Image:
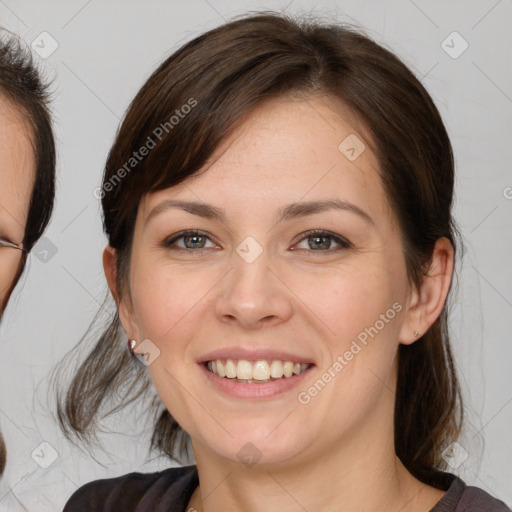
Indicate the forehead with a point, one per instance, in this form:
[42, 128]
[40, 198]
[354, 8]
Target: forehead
[286, 150]
[17, 167]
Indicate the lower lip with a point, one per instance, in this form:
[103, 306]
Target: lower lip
[254, 390]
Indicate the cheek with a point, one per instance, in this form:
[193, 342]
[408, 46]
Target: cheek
[362, 311]
[349, 301]
[166, 299]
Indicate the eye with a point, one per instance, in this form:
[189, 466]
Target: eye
[322, 240]
[194, 240]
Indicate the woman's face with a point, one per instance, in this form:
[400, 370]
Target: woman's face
[255, 286]
[17, 172]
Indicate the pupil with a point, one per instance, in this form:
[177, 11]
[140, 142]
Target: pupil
[317, 238]
[195, 239]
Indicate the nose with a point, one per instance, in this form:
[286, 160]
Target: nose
[252, 295]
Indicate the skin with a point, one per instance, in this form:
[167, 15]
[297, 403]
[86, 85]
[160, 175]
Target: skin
[307, 300]
[17, 175]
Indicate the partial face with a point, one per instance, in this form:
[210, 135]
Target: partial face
[271, 282]
[17, 173]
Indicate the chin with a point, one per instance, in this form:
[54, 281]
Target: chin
[259, 446]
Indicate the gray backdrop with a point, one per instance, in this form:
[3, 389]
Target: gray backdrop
[99, 54]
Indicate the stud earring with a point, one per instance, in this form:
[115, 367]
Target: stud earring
[416, 334]
[131, 346]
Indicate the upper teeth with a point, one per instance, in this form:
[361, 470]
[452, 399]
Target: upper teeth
[260, 370]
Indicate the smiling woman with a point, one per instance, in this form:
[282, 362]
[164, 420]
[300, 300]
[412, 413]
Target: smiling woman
[27, 165]
[290, 236]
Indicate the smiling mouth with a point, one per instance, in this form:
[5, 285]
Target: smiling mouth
[258, 372]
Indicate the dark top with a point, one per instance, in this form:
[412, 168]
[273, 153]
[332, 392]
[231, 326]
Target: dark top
[170, 491]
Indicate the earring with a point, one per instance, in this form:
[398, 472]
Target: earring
[131, 346]
[416, 334]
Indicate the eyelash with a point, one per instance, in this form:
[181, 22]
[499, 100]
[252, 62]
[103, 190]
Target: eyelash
[344, 244]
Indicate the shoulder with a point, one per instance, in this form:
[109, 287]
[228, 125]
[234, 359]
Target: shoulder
[136, 492]
[460, 497]
[474, 499]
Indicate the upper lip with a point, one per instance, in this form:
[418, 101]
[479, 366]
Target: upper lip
[254, 355]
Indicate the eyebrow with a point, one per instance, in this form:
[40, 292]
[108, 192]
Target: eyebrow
[288, 212]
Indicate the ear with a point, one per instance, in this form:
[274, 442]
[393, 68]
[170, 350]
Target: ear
[123, 303]
[426, 304]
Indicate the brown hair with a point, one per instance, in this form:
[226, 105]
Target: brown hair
[22, 84]
[228, 71]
